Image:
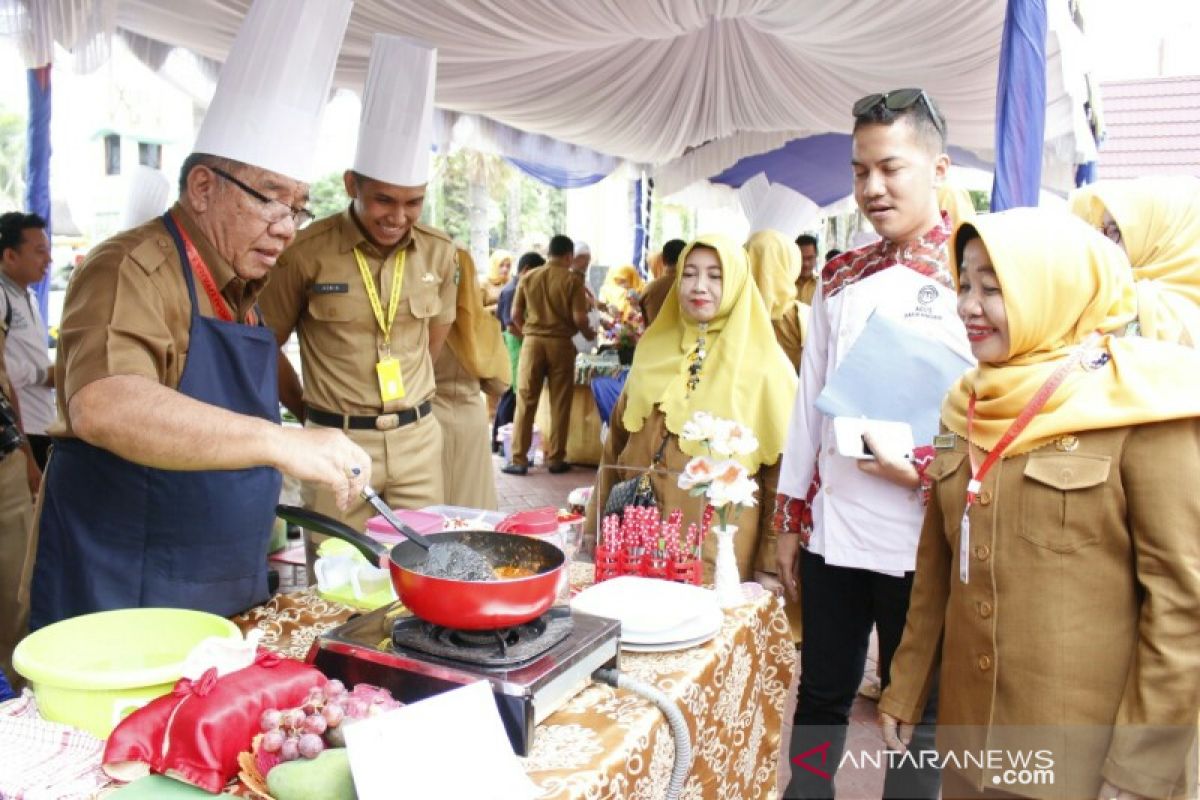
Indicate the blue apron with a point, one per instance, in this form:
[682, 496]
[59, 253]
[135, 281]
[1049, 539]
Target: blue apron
[114, 534]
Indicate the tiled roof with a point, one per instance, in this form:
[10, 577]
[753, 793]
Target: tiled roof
[1152, 126]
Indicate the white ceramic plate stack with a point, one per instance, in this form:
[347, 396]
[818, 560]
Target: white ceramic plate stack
[655, 615]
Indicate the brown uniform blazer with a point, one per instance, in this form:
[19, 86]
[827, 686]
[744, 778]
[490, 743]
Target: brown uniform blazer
[755, 541]
[1081, 613]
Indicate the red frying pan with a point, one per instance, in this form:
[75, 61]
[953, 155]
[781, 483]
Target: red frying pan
[468, 605]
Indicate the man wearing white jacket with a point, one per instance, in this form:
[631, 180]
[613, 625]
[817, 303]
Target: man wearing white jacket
[848, 529]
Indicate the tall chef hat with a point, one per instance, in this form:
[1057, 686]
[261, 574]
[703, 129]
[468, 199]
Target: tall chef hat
[751, 194]
[274, 85]
[395, 133]
[784, 209]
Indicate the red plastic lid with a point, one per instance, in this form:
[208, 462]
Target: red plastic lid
[534, 522]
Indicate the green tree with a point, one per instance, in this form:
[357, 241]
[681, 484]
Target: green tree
[543, 209]
[327, 195]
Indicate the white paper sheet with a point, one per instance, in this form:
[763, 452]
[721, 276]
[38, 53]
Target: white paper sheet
[451, 746]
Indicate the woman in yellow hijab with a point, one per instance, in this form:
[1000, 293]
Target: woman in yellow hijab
[956, 202]
[775, 265]
[1065, 589]
[619, 284]
[474, 360]
[1157, 221]
[710, 349]
[498, 273]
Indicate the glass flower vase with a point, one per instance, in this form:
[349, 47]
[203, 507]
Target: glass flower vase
[727, 582]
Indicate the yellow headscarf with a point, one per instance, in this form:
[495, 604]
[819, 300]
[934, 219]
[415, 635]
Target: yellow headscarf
[775, 265]
[475, 335]
[617, 296]
[499, 257]
[1062, 280]
[1159, 218]
[745, 376]
[956, 202]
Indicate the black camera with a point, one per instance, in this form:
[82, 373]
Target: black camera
[10, 434]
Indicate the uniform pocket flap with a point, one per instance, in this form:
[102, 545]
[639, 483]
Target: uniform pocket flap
[945, 464]
[1067, 472]
[425, 304]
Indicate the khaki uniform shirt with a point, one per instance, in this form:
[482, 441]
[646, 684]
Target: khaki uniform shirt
[1081, 610]
[789, 334]
[654, 295]
[806, 288]
[127, 310]
[548, 297]
[318, 291]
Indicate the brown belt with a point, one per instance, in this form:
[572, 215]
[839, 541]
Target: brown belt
[383, 422]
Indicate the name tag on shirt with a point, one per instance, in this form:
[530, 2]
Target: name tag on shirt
[944, 441]
[330, 288]
[391, 383]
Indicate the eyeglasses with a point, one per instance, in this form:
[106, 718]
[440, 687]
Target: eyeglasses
[273, 211]
[899, 100]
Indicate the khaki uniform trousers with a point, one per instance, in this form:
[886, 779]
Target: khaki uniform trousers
[406, 471]
[16, 556]
[542, 358]
[467, 470]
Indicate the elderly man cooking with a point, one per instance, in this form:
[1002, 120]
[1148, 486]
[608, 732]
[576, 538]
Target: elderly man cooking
[165, 471]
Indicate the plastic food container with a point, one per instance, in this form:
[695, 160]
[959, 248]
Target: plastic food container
[93, 671]
[420, 521]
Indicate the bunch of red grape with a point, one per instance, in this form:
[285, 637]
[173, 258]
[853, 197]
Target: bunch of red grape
[305, 731]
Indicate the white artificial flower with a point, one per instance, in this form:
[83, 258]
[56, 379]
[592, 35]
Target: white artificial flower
[699, 471]
[734, 438]
[699, 428]
[731, 483]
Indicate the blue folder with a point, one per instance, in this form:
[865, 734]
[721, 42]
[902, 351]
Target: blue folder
[894, 373]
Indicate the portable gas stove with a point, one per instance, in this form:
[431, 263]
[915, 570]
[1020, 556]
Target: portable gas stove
[533, 668]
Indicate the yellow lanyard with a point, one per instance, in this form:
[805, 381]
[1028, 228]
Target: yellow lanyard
[385, 325]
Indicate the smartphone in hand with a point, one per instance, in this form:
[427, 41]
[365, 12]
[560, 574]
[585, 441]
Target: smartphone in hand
[894, 437]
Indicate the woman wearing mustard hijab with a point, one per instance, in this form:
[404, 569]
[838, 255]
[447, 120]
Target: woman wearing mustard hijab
[1157, 222]
[474, 360]
[1063, 586]
[620, 289]
[498, 272]
[710, 349]
[775, 265]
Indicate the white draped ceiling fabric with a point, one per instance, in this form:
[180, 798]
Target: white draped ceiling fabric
[682, 87]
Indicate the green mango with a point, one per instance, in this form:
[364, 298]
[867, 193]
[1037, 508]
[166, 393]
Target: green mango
[326, 777]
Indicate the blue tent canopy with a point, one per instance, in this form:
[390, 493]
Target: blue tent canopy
[816, 166]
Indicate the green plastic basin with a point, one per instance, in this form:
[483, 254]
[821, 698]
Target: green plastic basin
[93, 671]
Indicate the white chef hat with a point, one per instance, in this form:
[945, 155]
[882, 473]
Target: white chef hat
[784, 209]
[146, 196]
[395, 132]
[274, 85]
[751, 193]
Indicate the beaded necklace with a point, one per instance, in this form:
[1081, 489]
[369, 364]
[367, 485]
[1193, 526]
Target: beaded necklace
[696, 360]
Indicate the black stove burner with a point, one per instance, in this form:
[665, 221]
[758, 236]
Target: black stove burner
[503, 647]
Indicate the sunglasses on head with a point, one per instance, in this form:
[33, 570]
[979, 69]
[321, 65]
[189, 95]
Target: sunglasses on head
[898, 100]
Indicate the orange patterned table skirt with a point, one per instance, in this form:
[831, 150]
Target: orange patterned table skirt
[610, 743]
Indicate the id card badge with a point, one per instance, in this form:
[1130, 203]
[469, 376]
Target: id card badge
[391, 383]
[964, 547]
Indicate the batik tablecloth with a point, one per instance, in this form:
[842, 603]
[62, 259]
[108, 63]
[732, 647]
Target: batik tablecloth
[610, 743]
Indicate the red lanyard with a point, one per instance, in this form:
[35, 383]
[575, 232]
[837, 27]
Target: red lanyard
[978, 473]
[219, 303]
